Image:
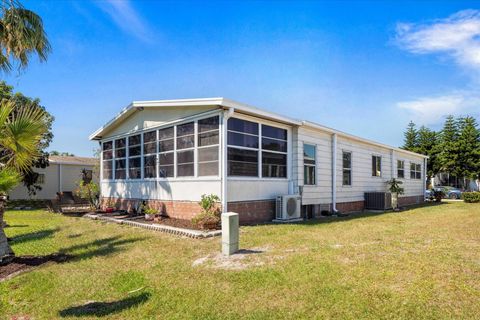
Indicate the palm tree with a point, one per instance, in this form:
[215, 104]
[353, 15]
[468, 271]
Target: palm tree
[21, 129]
[21, 35]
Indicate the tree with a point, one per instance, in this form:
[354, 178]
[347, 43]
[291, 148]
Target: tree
[58, 153]
[468, 148]
[29, 177]
[448, 157]
[410, 141]
[21, 36]
[21, 130]
[428, 145]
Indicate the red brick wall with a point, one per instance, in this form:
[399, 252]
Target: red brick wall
[253, 212]
[350, 206]
[174, 209]
[407, 201]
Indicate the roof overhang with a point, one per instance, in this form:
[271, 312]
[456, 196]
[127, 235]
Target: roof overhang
[220, 102]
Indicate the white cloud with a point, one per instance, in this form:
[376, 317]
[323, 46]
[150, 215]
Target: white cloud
[457, 36]
[126, 18]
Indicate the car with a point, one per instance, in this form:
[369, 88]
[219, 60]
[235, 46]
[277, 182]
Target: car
[428, 195]
[449, 192]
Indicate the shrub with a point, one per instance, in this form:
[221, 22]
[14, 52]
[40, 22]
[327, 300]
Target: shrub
[210, 215]
[91, 192]
[438, 195]
[146, 209]
[471, 197]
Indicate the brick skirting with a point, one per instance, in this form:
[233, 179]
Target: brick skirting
[354, 206]
[175, 209]
[253, 212]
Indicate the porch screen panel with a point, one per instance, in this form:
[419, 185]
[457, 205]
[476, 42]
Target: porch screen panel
[120, 159]
[274, 161]
[243, 148]
[166, 144]
[107, 156]
[134, 157]
[208, 146]
[150, 154]
[185, 150]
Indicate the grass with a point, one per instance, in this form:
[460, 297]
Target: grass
[423, 263]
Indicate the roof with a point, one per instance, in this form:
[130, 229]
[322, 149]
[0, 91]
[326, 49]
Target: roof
[225, 103]
[73, 160]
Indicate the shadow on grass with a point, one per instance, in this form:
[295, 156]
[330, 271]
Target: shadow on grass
[17, 225]
[366, 214]
[33, 236]
[99, 247]
[102, 309]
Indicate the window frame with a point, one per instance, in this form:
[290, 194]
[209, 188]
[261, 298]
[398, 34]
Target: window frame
[417, 170]
[403, 169]
[348, 169]
[174, 124]
[376, 163]
[260, 150]
[314, 165]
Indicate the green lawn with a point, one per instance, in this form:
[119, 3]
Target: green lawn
[420, 263]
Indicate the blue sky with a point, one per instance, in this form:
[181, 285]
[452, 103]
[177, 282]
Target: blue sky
[367, 68]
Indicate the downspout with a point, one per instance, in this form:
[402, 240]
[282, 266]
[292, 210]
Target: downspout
[226, 115]
[334, 173]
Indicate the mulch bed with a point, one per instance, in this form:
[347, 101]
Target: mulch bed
[172, 222]
[25, 263]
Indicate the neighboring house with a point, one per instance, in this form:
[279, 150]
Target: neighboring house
[62, 175]
[445, 179]
[170, 152]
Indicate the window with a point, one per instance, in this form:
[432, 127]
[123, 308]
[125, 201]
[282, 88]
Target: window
[134, 157]
[274, 161]
[309, 157]
[415, 171]
[120, 159]
[243, 147]
[107, 155]
[165, 152]
[347, 168]
[400, 169]
[41, 178]
[376, 166]
[208, 146]
[185, 149]
[150, 154]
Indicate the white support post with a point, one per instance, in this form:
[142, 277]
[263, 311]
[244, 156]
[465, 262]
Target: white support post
[230, 233]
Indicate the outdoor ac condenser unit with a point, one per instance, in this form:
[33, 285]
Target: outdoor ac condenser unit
[288, 207]
[378, 200]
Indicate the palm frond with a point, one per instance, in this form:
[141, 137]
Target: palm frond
[9, 178]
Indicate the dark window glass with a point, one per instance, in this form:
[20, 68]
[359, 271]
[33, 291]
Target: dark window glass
[120, 172]
[166, 158]
[274, 165]
[242, 140]
[134, 151]
[272, 132]
[165, 145]
[347, 177]
[150, 147]
[185, 170]
[166, 168]
[376, 166]
[208, 124]
[242, 126]
[308, 154]
[185, 142]
[149, 136]
[208, 154]
[107, 154]
[208, 138]
[208, 168]
[120, 143]
[347, 168]
[120, 153]
[134, 168]
[107, 145]
[274, 145]
[347, 160]
[309, 175]
[166, 171]
[166, 133]
[242, 162]
[107, 169]
[185, 156]
[185, 129]
[400, 169]
[149, 166]
[133, 140]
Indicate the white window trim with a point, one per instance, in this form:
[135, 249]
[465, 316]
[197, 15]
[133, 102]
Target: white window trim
[310, 165]
[381, 166]
[351, 169]
[402, 160]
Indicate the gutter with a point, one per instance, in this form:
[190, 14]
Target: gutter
[226, 115]
[334, 173]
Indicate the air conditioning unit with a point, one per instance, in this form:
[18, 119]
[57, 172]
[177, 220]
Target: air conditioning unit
[378, 200]
[288, 208]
